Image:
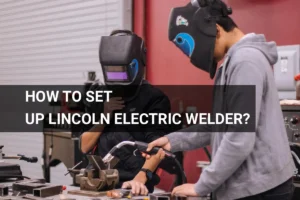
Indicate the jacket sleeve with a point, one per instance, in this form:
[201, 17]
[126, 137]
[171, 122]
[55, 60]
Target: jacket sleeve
[235, 146]
[190, 138]
[187, 139]
[90, 108]
[159, 103]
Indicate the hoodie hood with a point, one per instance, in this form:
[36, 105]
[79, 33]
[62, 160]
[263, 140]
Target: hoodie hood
[252, 40]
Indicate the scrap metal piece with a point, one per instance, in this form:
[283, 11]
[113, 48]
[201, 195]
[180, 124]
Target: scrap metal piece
[3, 190]
[31, 197]
[140, 198]
[26, 187]
[48, 191]
[160, 196]
[87, 193]
[11, 198]
[64, 197]
[165, 196]
[118, 194]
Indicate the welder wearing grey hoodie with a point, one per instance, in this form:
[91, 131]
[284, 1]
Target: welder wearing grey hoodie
[249, 163]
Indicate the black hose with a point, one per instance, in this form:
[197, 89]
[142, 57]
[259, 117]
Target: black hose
[209, 157]
[141, 146]
[182, 173]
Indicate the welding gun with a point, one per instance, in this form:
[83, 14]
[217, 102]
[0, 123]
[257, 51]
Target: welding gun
[142, 147]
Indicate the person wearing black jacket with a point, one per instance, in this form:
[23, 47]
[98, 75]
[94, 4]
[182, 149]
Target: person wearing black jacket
[134, 172]
[105, 137]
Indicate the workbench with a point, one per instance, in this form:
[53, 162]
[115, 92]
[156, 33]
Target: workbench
[66, 196]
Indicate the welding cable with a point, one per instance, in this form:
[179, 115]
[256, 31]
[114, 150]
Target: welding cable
[141, 146]
[182, 173]
[207, 153]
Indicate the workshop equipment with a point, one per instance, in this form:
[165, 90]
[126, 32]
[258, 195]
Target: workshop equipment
[295, 149]
[101, 176]
[291, 115]
[18, 157]
[118, 194]
[98, 176]
[61, 141]
[142, 147]
[11, 198]
[47, 191]
[38, 188]
[7, 170]
[61, 146]
[31, 197]
[26, 187]
[162, 196]
[168, 196]
[87, 193]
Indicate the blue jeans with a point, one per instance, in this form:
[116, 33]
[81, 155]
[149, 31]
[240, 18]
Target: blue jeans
[282, 192]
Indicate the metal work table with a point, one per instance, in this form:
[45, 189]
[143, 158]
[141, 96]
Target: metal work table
[66, 196]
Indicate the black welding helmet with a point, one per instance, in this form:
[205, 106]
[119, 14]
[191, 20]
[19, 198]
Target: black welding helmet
[123, 59]
[193, 30]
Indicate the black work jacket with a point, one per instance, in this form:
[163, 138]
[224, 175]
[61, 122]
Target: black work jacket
[149, 100]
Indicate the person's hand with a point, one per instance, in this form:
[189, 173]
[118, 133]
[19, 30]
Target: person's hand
[114, 103]
[185, 190]
[137, 188]
[160, 142]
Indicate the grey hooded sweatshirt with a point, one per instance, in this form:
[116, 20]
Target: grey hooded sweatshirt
[248, 163]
